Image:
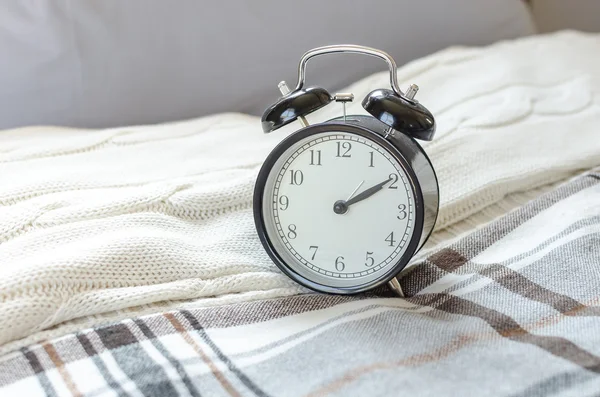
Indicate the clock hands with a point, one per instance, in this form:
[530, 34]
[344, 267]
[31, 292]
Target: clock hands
[355, 190]
[341, 206]
[367, 193]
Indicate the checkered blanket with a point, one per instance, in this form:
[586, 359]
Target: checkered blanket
[511, 310]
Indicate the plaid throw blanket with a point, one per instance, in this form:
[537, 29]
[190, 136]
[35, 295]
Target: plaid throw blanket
[511, 310]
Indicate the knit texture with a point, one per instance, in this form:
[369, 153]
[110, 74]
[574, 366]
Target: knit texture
[97, 225]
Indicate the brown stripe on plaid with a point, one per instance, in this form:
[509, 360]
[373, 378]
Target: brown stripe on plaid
[511, 317]
[519, 284]
[198, 349]
[111, 336]
[516, 282]
[252, 312]
[60, 366]
[503, 325]
[448, 259]
[509, 328]
[438, 264]
[148, 333]
[413, 361]
[245, 380]
[42, 377]
[453, 262]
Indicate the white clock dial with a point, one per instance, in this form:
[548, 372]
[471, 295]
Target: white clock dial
[339, 209]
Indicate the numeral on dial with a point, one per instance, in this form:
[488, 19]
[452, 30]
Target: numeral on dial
[296, 177]
[339, 264]
[394, 178]
[316, 248]
[345, 147]
[315, 160]
[402, 215]
[284, 203]
[292, 232]
[390, 239]
[370, 261]
[371, 160]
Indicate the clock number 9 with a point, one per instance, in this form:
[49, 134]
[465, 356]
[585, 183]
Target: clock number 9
[403, 214]
[339, 264]
[284, 203]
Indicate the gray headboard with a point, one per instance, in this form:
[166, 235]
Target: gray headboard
[113, 62]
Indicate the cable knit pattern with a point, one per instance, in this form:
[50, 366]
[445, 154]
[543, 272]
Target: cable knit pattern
[97, 225]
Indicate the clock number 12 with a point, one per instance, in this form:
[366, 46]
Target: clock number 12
[346, 146]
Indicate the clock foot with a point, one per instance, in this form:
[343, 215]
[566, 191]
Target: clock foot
[394, 284]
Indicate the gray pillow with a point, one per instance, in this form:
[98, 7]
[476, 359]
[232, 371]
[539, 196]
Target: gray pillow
[113, 62]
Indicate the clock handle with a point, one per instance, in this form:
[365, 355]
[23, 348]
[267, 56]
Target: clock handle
[353, 49]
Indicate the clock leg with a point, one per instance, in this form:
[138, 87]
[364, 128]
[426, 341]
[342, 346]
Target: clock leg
[394, 284]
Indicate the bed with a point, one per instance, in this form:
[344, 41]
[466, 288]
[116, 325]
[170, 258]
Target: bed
[130, 265]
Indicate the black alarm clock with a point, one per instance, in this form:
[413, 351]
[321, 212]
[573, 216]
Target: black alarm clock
[342, 206]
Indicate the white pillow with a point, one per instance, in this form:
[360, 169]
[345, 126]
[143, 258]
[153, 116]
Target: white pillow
[113, 62]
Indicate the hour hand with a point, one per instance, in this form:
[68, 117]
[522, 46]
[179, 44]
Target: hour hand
[341, 206]
[367, 193]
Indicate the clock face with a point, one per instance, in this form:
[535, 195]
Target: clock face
[338, 209]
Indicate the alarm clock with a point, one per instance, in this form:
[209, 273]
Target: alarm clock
[342, 206]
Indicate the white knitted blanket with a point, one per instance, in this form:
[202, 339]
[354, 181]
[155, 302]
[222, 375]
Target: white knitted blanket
[97, 225]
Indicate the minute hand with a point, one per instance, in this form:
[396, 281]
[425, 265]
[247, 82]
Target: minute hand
[367, 193]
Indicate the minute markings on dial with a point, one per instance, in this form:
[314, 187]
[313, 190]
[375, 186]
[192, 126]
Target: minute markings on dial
[325, 258]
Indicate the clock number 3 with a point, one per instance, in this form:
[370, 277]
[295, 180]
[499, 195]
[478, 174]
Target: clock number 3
[402, 215]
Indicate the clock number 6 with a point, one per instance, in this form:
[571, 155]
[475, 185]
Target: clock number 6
[339, 265]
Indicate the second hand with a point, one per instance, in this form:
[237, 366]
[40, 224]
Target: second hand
[355, 190]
